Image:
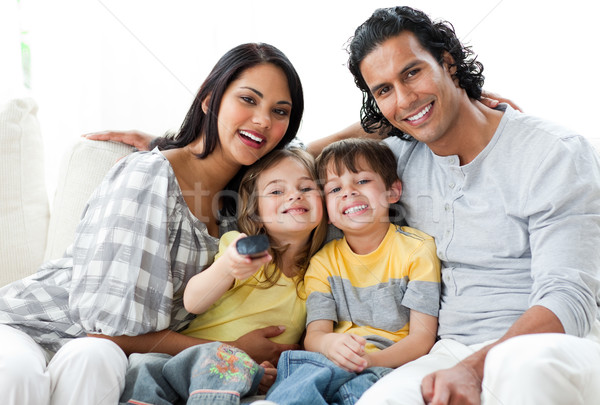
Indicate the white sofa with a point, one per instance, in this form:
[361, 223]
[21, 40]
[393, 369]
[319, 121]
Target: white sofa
[31, 233]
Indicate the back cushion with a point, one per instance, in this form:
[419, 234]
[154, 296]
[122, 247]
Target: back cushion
[83, 167]
[23, 197]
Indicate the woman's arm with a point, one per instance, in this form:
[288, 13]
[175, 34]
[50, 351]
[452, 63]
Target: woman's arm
[257, 344]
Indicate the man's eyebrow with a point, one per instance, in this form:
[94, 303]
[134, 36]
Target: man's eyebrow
[406, 68]
[259, 94]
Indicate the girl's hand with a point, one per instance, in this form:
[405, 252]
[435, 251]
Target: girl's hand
[268, 378]
[240, 266]
[346, 350]
[137, 139]
[492, 100]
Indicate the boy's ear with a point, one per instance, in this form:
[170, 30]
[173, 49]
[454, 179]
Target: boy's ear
[395, 192]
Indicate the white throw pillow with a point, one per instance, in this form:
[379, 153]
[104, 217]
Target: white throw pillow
[83, 167]
[23, 197]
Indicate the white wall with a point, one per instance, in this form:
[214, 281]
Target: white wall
[136, 64]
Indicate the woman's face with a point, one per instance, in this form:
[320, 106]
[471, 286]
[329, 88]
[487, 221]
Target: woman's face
[254, 114]
[289, 200]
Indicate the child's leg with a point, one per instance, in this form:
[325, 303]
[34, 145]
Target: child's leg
[23, 376]
[306, 378]
[144, 381]
[213, 373]
[350, 392]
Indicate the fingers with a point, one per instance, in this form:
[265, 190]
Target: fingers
[268, 378]
[427, 388]
[272, 331]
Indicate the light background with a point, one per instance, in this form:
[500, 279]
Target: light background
[136, 64]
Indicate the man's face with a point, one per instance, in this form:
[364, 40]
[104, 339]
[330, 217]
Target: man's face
[412, 90]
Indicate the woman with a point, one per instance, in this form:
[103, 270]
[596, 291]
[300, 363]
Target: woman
[150, 226]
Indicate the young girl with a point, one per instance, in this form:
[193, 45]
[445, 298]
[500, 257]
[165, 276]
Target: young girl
[151, 225]
[279, 198]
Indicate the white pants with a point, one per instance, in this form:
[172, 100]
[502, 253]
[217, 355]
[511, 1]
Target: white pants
[84, 371]
[549, 369]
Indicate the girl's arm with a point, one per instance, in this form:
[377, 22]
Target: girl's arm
[206, 287]
[420, 339]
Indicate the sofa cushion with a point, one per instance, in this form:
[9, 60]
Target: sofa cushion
[83, 167]
[23, 197]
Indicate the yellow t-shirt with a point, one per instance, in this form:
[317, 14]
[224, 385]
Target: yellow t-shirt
[371, 295]
[244, 308]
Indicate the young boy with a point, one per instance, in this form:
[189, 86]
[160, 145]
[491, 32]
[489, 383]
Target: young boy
[362, 289]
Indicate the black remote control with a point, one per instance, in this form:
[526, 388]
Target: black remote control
[254, 246]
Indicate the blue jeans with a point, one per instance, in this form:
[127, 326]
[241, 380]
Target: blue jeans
[311, 378]
[211, 373]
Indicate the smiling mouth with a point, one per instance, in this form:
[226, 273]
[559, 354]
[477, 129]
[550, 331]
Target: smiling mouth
[252, 137]
[295, 211]
[355, 209]
[420, 114]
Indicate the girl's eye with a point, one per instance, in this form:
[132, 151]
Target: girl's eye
[281, 112]
[334, 190]
[276, 192]
[306, 189]
[248, 100]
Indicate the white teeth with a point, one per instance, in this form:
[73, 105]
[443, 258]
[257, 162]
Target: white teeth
[355, 209]
[253, 137]
[419, 115]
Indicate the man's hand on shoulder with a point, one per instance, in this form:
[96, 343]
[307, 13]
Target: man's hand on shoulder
[137, 139]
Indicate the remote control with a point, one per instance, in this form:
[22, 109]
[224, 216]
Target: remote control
[254, 246]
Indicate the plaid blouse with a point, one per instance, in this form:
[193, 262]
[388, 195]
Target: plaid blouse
[136, 247]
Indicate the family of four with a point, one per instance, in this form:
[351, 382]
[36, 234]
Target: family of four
[466, 270]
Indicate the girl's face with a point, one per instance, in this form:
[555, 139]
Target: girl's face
[254, 113]
[289, 201]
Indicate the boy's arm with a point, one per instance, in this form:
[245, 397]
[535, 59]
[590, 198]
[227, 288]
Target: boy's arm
[420, 339]
[343, 349]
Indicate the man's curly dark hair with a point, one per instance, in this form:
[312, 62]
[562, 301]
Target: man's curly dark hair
[436, 38]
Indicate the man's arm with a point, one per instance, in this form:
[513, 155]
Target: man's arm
[353, 131]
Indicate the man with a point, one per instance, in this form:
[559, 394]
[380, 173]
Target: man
[513, 203]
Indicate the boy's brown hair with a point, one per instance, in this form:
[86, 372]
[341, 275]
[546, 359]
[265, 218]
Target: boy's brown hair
[346, 154]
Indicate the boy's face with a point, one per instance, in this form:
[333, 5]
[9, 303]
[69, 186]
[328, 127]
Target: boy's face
[358, 203]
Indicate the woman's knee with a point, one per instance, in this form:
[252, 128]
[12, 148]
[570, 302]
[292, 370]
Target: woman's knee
[94, 355]
[23, 376]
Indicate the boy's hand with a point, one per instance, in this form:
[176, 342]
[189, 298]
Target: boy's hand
[268, 378]
[242, 266]
[346, 350]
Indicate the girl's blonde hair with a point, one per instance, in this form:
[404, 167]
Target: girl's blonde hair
[249, 221]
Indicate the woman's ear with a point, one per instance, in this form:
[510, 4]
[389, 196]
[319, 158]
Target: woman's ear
[205, 104]
[395, 192]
